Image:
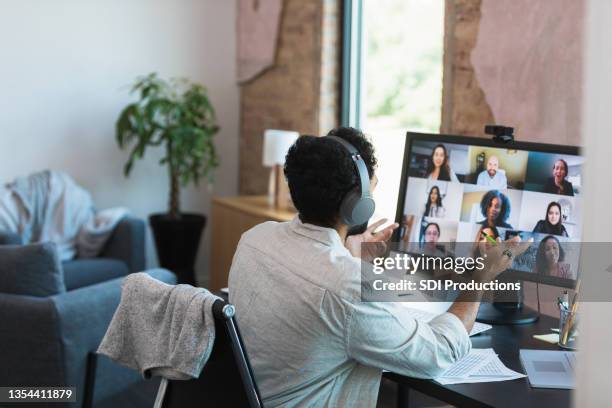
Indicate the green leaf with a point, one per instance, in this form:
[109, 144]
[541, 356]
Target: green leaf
[176, 114]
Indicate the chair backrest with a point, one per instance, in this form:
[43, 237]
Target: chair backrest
[227, 379]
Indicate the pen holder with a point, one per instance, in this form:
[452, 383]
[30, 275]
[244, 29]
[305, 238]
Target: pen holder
[568, 323]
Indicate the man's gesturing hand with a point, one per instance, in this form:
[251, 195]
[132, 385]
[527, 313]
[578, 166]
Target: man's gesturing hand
[499, 257]
[377, 240]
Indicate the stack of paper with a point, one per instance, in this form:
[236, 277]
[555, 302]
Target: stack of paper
[480, 365]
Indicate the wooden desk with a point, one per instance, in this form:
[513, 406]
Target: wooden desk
[231, 217]
[506, 341]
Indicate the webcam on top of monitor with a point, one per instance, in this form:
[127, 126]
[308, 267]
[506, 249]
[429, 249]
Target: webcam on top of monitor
[502, 134]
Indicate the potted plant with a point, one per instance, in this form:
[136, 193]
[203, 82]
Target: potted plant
[177, 116]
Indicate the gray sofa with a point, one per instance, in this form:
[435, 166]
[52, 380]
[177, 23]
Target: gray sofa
[53, 315]
[123, 253]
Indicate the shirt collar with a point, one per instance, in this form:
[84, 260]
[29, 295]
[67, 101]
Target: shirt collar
[324, 235]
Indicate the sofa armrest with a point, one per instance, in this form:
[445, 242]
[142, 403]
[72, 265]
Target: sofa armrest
[30, 351]
[10, 238]
[84, 315]
[45, 341]
[127, 243]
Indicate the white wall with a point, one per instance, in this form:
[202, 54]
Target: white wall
[595, 358]
[65, 71]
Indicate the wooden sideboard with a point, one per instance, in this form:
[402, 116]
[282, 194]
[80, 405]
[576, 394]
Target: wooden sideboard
[231, 217]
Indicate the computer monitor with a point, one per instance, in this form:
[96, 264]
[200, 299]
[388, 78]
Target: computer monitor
[465, 185]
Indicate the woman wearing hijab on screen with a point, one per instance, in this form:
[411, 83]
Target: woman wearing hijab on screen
[438, 167]
[552, 224]
[550, 259]
[495, 207]
[557, 184]
[434, 207]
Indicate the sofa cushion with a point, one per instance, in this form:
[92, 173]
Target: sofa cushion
[33, 270]
[84, 272]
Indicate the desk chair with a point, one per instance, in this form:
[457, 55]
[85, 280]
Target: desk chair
[227, 379]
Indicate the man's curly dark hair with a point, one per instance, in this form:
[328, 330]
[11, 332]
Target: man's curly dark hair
[320, 172]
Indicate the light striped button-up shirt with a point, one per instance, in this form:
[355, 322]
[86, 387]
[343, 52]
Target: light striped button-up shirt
[310, 339]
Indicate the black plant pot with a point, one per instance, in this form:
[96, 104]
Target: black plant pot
[177, 241]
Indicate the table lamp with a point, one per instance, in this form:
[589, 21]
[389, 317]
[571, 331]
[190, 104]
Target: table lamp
[276, 146]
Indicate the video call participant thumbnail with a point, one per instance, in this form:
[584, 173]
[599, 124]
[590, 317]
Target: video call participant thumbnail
[552, 223]
[434, 207]
[550, 259]
[481, 240]
[431, 233]
[557, 184]
[493, 176]
[439, 166]
[495, 208]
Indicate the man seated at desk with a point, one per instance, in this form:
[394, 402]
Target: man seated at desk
[296, 289]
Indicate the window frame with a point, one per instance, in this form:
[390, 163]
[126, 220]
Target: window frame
[352, 62]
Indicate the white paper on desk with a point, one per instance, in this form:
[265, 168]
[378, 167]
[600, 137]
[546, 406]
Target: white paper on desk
[481, 365]
[496, 369]
[478, 328]
[469, 364]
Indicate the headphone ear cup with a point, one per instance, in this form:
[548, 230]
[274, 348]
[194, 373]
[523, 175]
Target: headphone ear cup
[346, 207]
[356, 210]
[363, 210]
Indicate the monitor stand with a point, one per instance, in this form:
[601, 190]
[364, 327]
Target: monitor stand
[510, 311]
[506, 313]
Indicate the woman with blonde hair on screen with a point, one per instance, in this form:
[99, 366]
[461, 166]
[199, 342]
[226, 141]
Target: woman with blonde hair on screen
[557, 184]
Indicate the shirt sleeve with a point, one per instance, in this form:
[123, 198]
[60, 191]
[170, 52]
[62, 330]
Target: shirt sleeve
[385, 335]
[480, 180]
[504, 180]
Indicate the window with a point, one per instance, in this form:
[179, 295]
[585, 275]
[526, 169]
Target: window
[393, 59]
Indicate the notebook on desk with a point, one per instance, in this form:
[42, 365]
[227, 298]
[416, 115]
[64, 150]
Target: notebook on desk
[549, 368]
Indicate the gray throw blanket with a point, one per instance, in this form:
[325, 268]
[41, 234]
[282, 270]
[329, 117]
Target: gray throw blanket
[49, 206]
[160, 329]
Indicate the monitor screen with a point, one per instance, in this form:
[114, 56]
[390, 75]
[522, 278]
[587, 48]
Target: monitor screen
[454, 188]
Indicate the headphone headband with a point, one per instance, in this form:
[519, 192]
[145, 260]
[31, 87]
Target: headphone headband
[362, 170]
[356, 207]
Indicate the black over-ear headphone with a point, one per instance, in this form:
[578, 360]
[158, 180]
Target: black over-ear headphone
[358, 205]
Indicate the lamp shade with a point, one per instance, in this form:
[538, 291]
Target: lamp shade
[276, 146]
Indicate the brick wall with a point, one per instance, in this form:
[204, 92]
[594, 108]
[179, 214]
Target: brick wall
[300, 92]
[464, 109]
